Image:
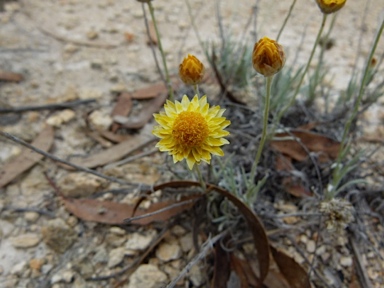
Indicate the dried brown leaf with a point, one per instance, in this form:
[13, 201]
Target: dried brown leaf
[221, 269]
[293, 272]
[115, 213]
[150, 92]
[147, 112]
[152, 34]
[327, 148]
[10, 76]
[244, 271]
[27, 158]
[114, 153]
[122, 108]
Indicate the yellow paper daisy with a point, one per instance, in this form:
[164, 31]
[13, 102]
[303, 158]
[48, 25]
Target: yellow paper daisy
[191, 130]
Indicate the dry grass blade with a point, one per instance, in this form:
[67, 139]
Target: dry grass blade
[295, 274]
[27, 158]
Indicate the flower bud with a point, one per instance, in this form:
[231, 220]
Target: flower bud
[330, 6]
[268, 57]
[191, 70]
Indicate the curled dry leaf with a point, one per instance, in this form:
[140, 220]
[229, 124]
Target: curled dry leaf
[260, 239]
[27, 158]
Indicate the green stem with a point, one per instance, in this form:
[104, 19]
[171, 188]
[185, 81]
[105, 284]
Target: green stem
[265, 124]
[200, 176]
[331, 194]
[286, 20]
[296, 92]
[196, 88]
[167, 77]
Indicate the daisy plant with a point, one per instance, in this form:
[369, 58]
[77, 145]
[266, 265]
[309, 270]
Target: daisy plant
[191, 130]
[268, 58]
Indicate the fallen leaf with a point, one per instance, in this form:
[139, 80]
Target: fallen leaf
[150, 92]
[293, 272]
[221, 268]
[108, 212]
[147, 111]
[244, 271]
[326, 147]
[10, 76]
[152, 34]
[116, 138]
[27, 158]
[114, 153]
[122, 108]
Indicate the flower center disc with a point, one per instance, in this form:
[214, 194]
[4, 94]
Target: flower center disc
[190, 129]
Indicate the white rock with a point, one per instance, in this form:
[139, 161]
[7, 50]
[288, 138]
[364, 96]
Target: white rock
[100, 119]
[89, 93]
[117, 231]
[31, 216]
[139, 241]
[61, 117]
[116, 256]
[25, 240]
[311, 246]
[168, 251]
[346, 261]
[148, 276]
[18, 268]
[186, 242]
[79, 184]
[65, 276]
[196, 276]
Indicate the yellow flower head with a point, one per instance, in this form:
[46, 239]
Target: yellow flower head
[330, 6]
[191, 70]
[268, 57]
[191, 130]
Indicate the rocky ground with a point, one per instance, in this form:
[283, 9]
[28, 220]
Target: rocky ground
[71, 50]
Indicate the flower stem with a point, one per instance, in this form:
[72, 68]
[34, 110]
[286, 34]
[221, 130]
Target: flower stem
[196, 88]
[286, 20]
[293, 99]
[200, 176]
[167, 77]
[335, 180]
[268, 85]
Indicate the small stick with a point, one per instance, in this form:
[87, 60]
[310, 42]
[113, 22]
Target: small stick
[57, 159]
[55, 106]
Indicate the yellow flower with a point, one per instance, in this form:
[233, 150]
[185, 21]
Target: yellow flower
[330, 6]
[191, 70]
[268, 57]
[191, 130]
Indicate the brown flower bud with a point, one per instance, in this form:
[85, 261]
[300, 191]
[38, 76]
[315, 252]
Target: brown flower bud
[191, 70]
[330, 6]
[268, 57]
